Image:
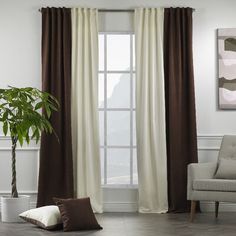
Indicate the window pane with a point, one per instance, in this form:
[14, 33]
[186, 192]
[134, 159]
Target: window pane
[134, 129]
[101, 127]
[133, 52]
[101, 90]
[134, 91]
[118, 166]
[101, 51]
[118, 128]
[102, 164]
[118, 52]
[118, 90]
[135, 171]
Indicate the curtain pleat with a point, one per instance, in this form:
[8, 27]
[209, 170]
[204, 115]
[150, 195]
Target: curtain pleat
[180, 104]
[85, 125]
[56, 168]
[150, 111]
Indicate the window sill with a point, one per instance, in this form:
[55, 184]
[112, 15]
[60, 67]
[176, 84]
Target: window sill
[120, 186]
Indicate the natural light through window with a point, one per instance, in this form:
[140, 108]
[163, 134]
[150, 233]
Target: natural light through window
[117, 109]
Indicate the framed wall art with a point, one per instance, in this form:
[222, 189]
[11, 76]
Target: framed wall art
[227, 68]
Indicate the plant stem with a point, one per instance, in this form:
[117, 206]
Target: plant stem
[14, 192]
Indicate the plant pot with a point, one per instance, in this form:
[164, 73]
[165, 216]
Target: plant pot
[12, 207]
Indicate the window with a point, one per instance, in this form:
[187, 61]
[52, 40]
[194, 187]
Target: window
[117, 109]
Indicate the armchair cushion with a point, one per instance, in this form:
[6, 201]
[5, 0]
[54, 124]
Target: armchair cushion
[202, 170]
[221, 185]
[226, 169]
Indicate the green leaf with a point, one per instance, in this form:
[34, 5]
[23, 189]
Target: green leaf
[48, 111]
[38, 105]
[27, 137]
[5, 128]
[20, 138]
[53, 107]
[5, 115]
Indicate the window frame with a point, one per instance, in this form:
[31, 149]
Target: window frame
[132, 109]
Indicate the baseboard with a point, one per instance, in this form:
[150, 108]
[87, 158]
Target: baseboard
[120, 206]
[108, 206]
[223, 207]
[133, 206]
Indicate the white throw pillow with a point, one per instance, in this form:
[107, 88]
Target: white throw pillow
[47, 217]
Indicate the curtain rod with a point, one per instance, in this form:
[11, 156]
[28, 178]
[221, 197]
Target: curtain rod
[115, 10]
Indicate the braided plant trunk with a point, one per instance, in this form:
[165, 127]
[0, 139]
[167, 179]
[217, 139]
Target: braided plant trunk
[14, 192]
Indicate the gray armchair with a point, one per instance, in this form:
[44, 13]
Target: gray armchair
[202, 186]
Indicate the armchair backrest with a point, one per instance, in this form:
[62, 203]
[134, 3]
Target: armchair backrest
[228, 147]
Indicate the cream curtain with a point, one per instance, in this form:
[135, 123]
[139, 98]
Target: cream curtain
[150, 113]
[85, 130]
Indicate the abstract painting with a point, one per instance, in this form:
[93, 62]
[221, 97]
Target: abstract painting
[227, 68]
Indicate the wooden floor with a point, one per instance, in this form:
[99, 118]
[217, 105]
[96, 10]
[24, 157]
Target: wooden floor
[134, 224]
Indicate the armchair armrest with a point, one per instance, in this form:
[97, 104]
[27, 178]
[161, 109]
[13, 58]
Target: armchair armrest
[199, 171]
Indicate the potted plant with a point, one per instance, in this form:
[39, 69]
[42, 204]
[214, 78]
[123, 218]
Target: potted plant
[22, 118]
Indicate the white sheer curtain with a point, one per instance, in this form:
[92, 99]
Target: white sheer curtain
[85, 130]
[150, 111]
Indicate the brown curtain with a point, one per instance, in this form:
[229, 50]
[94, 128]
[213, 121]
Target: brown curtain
[56, 168]
[180, 104]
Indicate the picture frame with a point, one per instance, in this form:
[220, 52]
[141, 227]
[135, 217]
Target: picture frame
[227, 68]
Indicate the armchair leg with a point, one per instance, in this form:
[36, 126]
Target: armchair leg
[193, 210]
[216, 209]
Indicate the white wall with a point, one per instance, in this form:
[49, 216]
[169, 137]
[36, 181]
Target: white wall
[20, 28]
